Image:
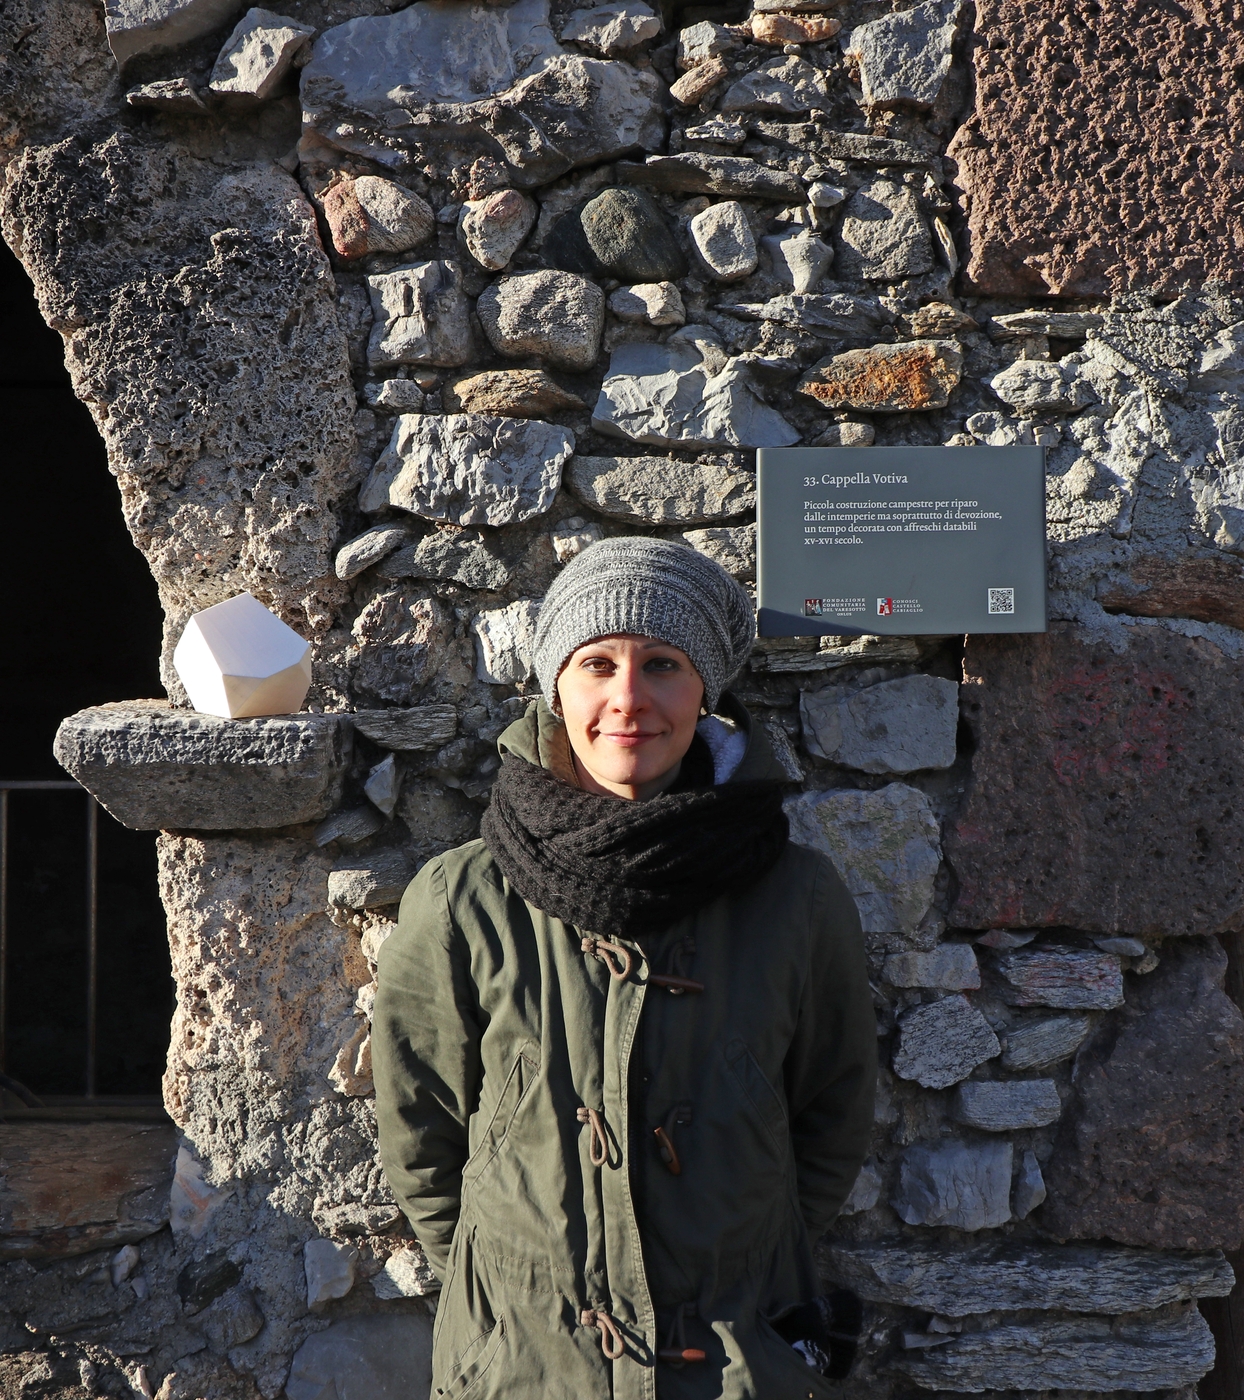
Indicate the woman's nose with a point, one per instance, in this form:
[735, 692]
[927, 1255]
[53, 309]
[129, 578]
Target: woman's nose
[630, 689]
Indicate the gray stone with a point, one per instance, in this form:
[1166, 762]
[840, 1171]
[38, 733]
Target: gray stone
[1015, 1277]
[731, 546]
[943, 1042]
[1003, 1106]
[437, 87]
[799, 258]
[846, 435]
[371, 881]
[493, 228]
[966, 1186]
[406, 1274]
[168, 95]
[1004, 939]
[1041, 1043]
[572, 536]
[258, 54]
[897, 726]
[394, 396]
[408, 731]
[367, 214]
[904, 57]
[1121, 947]
[724, 241]
[686, 393]
[384, 1357]
[421, 316]
[370, 547]
[504, 639]
[1036, 386]
[330, 1269]
[629, 238]
[383, 785]
[885, 845]
[837, 652]
[718, 130]
[883, 235]
[1068, 978]
[836, 316]
[1064, 325]
[1029, 1191]
[153, 767]
[469, 469]
[692, 173]
[841, 145]
[1086, 1354]
[952, 967]
[612, 29]
[787, 86]
[465, 556]
[866, 1191]
[660, 490]
[140, 26]
[699, 42]
[822, 195]
[229, 1321]
[649, 303]
[349, 827]
[404, 643]
[555, 316]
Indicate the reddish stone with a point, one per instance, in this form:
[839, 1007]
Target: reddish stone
[1149, 1149]
[1105, 789]
[1104, 153]
[1209, 588]
[915, 374]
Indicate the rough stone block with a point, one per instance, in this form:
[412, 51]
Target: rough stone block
[724, 241]
[966, 1186]
[699, 42]
[612, 29]
[408, 731]
[904, 58]
[701, 174]
[467, 556]
[141, 26]
[72, 1188]
[469, 469]
[421, 316]
[258, 54]
[493, 228]
[1017, 1277]
[686, 393]
[406, 1274]
[950, 966]
[1041, 1043]
[799, 258]
[629, 239]
[1006, 1105]
[153, 767]
[330, 1269]
[1070, 978]
[731, 546]
[1029, 1191]
[1148, 1151]
[1087, 1354]
[370, 547]
[660, 490]
[883, 234]
[910, 376]
[168, 95]
[371, 881]
[373, 215]
[385, 1357]
[1070, 733]
[572, 536]
[650, 303]
[1115, 183]
[786, 87]
[696, 84]
[1207, 587]
[884, 845]
[349, 827]
[895, 726]
[505, 637]
[943, 1042]
[555, 316]
[394, 396]
[780, 30]
[1037, 386]
[511, 393]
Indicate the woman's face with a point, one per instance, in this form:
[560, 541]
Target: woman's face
[630, 705]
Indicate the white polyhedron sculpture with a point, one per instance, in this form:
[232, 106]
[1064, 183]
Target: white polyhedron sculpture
[237, 660]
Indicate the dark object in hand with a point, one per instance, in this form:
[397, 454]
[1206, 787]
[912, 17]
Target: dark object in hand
[826, 1332]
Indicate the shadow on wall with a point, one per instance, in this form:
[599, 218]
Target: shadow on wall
[82, 626]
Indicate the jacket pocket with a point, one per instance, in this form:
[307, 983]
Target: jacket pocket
[523, 1074]
[474, 1363]
[762, 1096]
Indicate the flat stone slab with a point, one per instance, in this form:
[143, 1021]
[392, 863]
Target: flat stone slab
[943, 1042]
[1148, 1151]
[156, 768]
[383, 1357]
[554, 316]
[1072, 732]
[371, 881]
[257, 55]
[963, 1185]
[897, 726]
[469, 468]
[884, 844]
[1086, 1354]
[883, 235]
[408, 731]
[660, 490]
[1042, 1043]
[421, 316]
[1120, 122]
[141, 26]
[950, 966]
[1072, 979]
[904, 58]
[910, 376]
[699, 174]
[1006, 1105]
[1013, 1278]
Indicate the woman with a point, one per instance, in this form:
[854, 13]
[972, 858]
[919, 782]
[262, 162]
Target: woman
[624, 1047]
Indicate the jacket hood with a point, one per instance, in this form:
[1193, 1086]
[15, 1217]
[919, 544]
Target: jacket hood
[541, 737]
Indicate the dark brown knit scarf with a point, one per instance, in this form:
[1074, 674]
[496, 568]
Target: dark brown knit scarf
[611, 866]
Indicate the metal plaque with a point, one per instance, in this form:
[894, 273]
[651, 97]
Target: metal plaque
[901, 541]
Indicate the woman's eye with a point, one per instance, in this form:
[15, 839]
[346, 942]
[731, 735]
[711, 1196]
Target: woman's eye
[662, 663]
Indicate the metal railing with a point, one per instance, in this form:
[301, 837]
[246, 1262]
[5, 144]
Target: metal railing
[7, 786]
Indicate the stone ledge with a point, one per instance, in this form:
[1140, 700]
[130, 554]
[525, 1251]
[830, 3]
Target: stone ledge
[156, 768]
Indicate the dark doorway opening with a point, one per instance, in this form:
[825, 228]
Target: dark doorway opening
[83, 627]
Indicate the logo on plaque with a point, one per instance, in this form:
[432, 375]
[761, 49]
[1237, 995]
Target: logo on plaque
[944, 539]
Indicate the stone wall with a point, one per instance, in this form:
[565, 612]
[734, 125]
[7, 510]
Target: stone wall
[386, 312]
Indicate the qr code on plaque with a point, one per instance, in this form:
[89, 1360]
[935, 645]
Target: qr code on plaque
[1001, 600]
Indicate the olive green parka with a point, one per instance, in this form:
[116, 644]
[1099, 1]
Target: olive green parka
[494, 1034]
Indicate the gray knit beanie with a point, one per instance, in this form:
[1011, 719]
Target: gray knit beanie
[650, 588]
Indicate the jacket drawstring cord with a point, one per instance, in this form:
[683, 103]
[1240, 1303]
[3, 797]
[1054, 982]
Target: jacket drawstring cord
[611, 1342]
[678, 1117]
[675, 980]
[597, 1142]
[615, 956]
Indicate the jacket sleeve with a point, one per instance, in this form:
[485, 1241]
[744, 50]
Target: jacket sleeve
[831, 1067]
[425, 1062]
